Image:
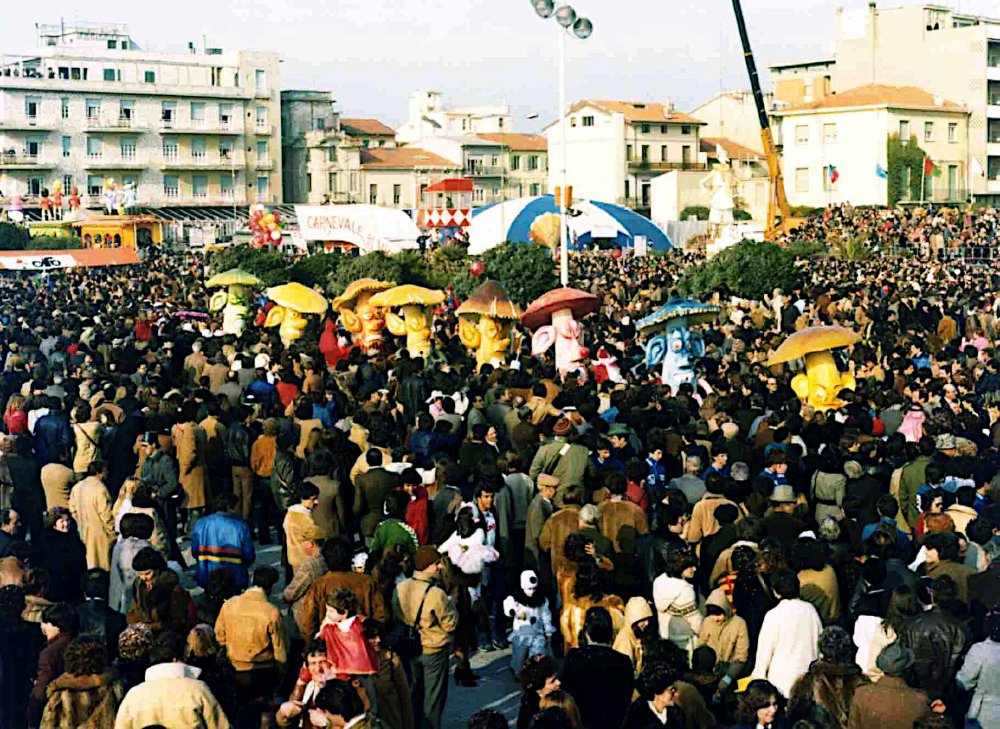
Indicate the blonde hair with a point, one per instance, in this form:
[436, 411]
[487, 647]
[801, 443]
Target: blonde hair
[562, 700]
[16, 402]
[201, 642]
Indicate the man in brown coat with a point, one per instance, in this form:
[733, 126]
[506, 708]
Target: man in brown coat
[889, 703]
[90, 505]
[560, 525]
[337, 554]
[57, 480]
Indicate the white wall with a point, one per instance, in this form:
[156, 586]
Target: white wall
[595, 156]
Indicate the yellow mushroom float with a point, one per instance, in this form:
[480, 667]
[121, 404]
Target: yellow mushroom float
[484, 323]
[414, 318]
[293, 300]
[359, 316]
[822, 381]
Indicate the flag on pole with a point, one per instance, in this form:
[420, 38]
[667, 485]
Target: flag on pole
[881, 172]
[977, 169]
[931, 169]
[833, 173]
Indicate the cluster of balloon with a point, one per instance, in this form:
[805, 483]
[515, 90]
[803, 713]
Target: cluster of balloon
[476, 268]
[266, 226]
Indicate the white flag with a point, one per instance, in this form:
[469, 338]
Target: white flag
[977, 169]
[721, 155]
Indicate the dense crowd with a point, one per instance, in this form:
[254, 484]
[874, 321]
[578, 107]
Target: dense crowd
[720, 555]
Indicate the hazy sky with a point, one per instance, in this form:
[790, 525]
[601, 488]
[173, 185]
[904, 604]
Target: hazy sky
[371, 55]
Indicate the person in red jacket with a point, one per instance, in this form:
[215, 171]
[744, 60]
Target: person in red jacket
[417, 517]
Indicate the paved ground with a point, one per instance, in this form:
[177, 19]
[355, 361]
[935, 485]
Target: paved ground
[497, 688]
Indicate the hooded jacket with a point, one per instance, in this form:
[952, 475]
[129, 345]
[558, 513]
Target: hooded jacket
[730, 639]
[627, 642]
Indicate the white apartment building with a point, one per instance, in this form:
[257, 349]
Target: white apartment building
[940, 50]
[615, 148]
[88, 104]
[429, 117]
[732, 115]
[850, 130]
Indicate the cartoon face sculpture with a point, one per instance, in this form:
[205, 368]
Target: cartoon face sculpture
[291, 322]
[679, 349]
[822, 382]
[413, 322]
[564, 333]
[489, 337]
[234, 305]
[365, 322]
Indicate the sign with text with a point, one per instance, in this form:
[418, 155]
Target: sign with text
[369, 227]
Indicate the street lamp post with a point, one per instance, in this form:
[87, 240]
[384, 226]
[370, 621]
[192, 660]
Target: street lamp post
[581, 28]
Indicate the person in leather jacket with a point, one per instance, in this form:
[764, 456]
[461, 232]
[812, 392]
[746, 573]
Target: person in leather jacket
[938, 639]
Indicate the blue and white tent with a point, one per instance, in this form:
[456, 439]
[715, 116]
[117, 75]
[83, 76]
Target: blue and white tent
[588, 219]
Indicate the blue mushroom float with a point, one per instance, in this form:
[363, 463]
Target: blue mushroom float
[679, 347]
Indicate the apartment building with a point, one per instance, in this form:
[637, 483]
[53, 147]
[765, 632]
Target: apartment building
[397, 177]
[848, 132]
[89, 104]
[615, 148]
[732, 115]
[369, 133]
[428, 116]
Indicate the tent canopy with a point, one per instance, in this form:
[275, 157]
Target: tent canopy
[588, 220]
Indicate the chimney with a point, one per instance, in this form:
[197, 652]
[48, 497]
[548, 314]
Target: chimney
[668, 107]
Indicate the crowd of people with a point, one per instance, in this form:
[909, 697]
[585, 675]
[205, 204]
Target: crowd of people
[722, 555]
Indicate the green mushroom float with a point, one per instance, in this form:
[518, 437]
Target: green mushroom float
[234, 300]
[414, 318]
[293, 300]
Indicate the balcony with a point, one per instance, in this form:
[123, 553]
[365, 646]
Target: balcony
[14, 161]
[639, 164]
[262, 128]
[117, 161]
[15, 123]
[484, 171]
[121, 124]
[203, 162]
[198, 126]
[265, 163]
[267, 198]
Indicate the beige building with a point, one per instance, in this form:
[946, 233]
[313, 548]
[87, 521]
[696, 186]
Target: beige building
[615, 148]
[369, 133]
[849, 131]
[198, 128]
[524, 163]
[732, 115]
[802, 83]
[396, 178]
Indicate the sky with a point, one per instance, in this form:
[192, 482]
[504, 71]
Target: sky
[372, 55]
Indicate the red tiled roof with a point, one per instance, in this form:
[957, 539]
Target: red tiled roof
[366, 126]
[519, 142]
[735, 150]
[451, 184]
[900, 97]
[640, 111]
[403, 158]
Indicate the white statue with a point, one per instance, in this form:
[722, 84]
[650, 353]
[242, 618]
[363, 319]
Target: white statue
[721, 223]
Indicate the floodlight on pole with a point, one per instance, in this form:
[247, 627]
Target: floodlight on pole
[582, 28]
[565, 16]
[544, 8]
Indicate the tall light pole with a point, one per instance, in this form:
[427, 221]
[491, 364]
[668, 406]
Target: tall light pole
[581, 28]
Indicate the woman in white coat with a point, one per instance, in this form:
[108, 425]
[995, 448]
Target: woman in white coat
[678, 611]
[981, 674]
[788, 636]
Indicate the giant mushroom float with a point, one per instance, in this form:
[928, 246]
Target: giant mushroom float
[293, 300]
[484, 323]
[822, 382]
[553, 316]
[679, 346]
[359, 316]
[414, 318]
[234, 300]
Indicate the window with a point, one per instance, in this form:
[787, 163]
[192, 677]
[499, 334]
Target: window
[124, 45]
[829, 133]
[34, 185]
[533, 162]
[685, 154]
[225, 149]
[66, 141]
[904, 130]
[199, 186]
[31, 109]
[644, 128]
[67, 182]
[644, 153]
[112, 44]
[628, 190]
[663, 153]
[150, 77]
[126, 111]
[588, 121]
[33, 147]
[127, 148]
[572, 121]
[319, 124]
[331, 154]
[170, 148]
[928, 131]
[628, 152]
[663, 129]
[952, 132]
[354, 182]
[262, 185]
[167, 111]
[397, 194]
[93, 108]
[111, 74]
[259, 79]
[171, 186]
[95, 183]
[801, 134]
[534, 189]
[225, 115]
[260, 116]
[64, 111]
[198, 112]
[198, 148]
[94, 147]
[685, 129]
[331, 182]
[515, 162]
[226, 186]
[262, 148]
[373, 194]
[216, 76]
[74, 74]
[801, 179]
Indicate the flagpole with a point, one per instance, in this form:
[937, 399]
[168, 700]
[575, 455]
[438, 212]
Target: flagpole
[923, 171]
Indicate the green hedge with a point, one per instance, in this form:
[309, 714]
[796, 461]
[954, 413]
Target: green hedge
[806, 249]
[698, 211]
[16, 238]
[749, 269]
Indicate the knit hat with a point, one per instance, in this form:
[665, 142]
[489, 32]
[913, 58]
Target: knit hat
[894, 659]
[740, 471]
[425, 557]
[852, 469]
[135, 641]
[562, 427]
[836, 645]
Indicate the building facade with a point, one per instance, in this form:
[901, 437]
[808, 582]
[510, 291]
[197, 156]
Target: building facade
[429, 117]
[397, 177]
[89, 105]
[733, 115]
[615, 148]
[369, 133]
[849, 131]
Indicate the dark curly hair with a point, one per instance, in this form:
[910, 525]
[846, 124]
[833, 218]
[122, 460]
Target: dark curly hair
[759, 693]
[655, 679]
[86, 656]
[575, 548]
[536, 671]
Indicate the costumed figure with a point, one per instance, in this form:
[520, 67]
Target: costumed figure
[110, 196]
[292, 301]
[16, 212]
[532, 629]
[822, 382]
[484, 323]
[348, 651]
[332, 346]
[414, 318]
[45, 202]
[74, 200]
[359, 316]
[679, 347]
[606, 367]
[467, 548]
[233, 301]
[131, 198]
[553, 316]
[57, 200]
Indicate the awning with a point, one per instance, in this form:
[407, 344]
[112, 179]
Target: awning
[451, 184]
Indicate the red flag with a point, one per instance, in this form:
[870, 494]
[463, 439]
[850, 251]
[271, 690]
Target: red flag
[928, 167]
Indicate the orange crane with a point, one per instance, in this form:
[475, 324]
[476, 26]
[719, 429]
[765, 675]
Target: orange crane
[778, 217]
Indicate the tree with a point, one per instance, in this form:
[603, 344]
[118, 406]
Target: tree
[525, 270]
[378, 265]
[901, 157]
[749, 269]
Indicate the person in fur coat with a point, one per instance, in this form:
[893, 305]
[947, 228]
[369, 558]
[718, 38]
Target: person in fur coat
[823, 694]
[532, 630]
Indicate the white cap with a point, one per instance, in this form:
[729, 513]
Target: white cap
[261, 361]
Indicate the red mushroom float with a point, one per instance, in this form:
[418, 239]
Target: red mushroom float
[553, 316]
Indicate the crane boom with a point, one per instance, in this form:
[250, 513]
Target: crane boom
[777, 203]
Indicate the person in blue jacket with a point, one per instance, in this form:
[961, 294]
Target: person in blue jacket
[223, 539]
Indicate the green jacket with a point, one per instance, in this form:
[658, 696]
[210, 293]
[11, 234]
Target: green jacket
[567, 462]
[392, 532]
[913, 476]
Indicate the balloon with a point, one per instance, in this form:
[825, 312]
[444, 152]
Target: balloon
[616, 253]
[476, 268]
[275, 235]
[269, 218]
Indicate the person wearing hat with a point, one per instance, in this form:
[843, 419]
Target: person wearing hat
[780, 521]
[565, 459]
[539, 511]
[420, 603]
[890, 703]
